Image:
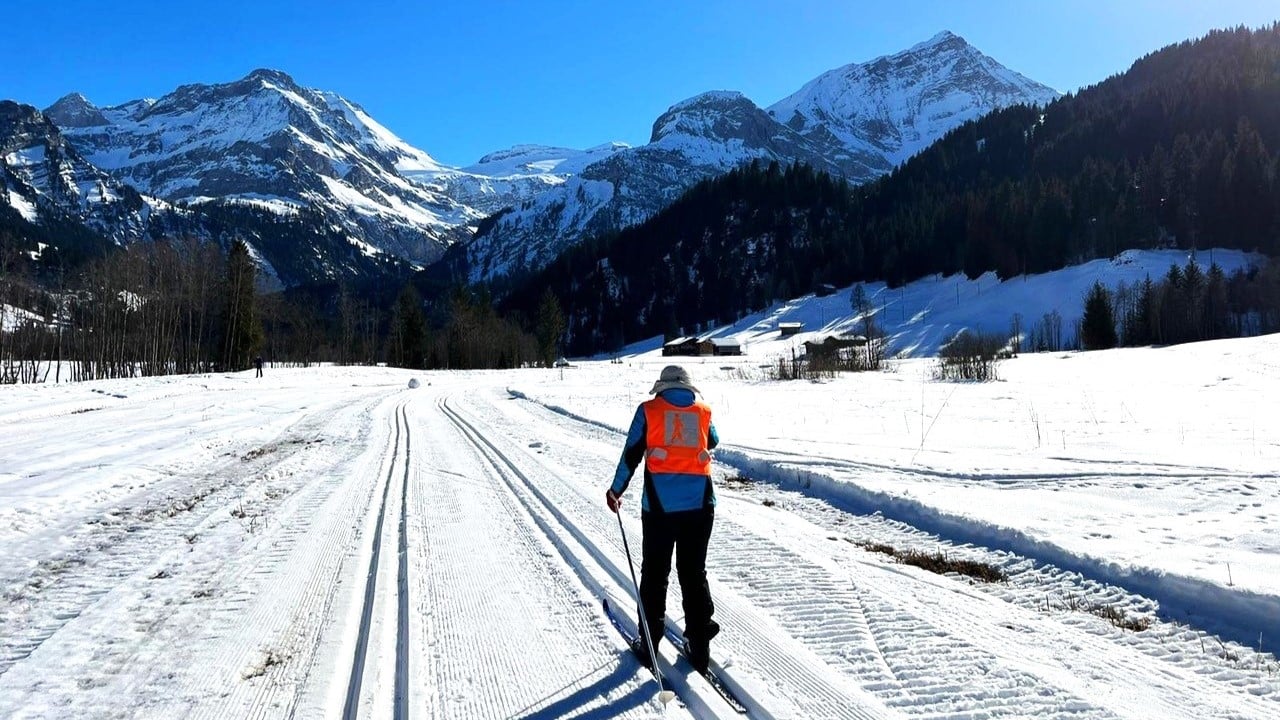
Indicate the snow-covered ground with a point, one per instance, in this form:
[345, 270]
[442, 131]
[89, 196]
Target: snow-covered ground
[330, 543]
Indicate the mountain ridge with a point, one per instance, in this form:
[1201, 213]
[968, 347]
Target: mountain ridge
[264, 140]
[688, 145]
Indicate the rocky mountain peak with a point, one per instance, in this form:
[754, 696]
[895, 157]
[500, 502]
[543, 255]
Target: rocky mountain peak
[75, 110]
[264, 140]
[23, 127]
[943, 40]
[896, 105]
[12, 113]
[708, 114]
[270, 75]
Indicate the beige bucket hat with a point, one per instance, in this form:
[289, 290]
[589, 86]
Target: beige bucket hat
[673, 377]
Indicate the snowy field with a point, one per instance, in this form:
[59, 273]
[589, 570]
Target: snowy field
[329, 543]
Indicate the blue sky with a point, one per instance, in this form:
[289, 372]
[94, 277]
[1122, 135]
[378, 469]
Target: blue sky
[459, 79]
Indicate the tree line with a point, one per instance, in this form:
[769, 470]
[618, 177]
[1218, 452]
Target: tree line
[158, 309]
[1187, 304]
[188, 306]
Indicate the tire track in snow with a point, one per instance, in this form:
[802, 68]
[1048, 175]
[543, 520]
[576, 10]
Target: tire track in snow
[862, 634]
[111, 548]
[1003, 479]
[1157, 672]
[297, 574]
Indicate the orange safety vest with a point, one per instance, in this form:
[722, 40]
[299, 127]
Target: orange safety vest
[676, 438]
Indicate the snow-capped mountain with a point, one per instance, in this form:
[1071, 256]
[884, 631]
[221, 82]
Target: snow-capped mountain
[859, 122]
[510, 177]
[699, 138]
[887, 110]
[52, 197]
[46, 180]
[266, 141]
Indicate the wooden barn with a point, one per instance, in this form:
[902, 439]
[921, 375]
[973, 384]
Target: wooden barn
[724, 346]
[681, 346]
[790, 328]
[832, 346]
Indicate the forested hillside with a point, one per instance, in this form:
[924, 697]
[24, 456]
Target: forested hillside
[1179, 151]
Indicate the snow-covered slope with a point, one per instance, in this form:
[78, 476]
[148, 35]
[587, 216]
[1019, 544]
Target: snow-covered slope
[267, 140]
[921, 317]
[886, 110]
[858, 122]
[511, 177]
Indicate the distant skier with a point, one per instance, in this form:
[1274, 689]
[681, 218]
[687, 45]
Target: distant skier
[673, 434]
[257, 363]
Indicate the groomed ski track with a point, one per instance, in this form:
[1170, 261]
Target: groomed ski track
[367, 551]
[571, 515]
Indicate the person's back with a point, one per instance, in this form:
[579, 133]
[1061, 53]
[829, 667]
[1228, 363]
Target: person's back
[673, 434]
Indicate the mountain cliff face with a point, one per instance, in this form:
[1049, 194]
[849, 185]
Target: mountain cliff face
[266, 141]
[45, 180]
[857, 122]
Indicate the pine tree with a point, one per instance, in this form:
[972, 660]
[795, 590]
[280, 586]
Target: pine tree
[242, 329]
[551, 327]
[1098, 326]
[409, 331]
[1215, 316]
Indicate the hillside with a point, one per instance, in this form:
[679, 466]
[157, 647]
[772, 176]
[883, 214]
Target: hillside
[1174, 153]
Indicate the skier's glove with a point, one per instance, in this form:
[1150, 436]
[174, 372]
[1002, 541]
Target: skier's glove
[612, 499]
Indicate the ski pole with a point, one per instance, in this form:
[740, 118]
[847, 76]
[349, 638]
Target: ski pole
[664, 696]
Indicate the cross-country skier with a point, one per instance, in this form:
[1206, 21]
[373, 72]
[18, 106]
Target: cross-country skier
[673, 434]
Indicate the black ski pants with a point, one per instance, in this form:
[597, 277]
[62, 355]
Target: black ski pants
[687, 533]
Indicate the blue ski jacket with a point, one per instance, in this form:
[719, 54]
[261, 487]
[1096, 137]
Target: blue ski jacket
[670, 492]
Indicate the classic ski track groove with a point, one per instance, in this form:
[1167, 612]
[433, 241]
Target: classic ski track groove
[815, 693]
[477, 620]
[330, 509]
[360, 664]
[537, 510]
[868, 623]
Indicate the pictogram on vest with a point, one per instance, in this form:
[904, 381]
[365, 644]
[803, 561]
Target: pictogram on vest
[677, 438]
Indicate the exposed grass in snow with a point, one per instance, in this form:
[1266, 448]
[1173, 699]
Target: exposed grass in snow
[940, 563]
